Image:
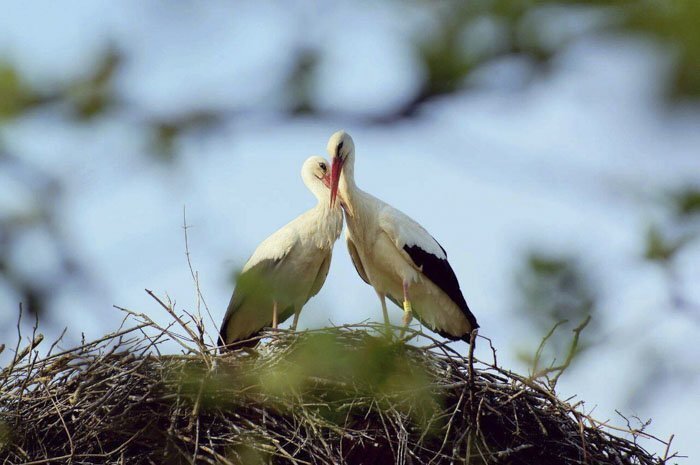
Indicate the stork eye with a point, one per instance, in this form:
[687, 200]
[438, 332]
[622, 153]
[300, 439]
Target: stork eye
[340, 146]
[323, 166]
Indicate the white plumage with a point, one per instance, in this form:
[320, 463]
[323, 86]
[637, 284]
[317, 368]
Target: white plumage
[395, 254]
[287, 268]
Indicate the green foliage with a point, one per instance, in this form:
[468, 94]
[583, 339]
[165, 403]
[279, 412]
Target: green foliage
[88, 97]
[323, 370]
[444, 59]
[442, 53]
[674, 23]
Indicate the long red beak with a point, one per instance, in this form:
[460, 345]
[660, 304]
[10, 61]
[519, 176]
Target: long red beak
[336, 169]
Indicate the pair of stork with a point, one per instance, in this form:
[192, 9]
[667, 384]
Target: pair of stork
[391, 252]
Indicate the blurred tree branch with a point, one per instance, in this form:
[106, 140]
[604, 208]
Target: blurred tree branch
[666, 242]
[444, 53]
[554, 290]
[39, 214]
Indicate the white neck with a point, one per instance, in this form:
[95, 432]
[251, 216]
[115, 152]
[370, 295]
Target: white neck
[347, 187]
[316, 186]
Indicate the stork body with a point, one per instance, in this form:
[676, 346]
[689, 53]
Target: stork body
[287, 268]
[396, 255]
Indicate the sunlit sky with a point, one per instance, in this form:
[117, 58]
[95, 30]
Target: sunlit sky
[572, 160]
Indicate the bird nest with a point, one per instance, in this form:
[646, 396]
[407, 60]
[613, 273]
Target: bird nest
[335, 395]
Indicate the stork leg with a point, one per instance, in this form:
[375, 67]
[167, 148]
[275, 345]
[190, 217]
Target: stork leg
[385, 312]
[296, 319]
[274, 314]
[407, 309]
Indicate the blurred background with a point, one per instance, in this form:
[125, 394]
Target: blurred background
[552, 147]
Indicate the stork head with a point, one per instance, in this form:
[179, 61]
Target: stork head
[316, 173]
[340, 148]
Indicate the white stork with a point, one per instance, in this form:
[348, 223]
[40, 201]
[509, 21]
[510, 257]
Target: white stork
[396, 255]
[287, 268]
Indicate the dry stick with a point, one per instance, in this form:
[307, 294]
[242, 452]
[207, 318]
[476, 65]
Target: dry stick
[13, 363]
[108, 337]
[63, 422]
[195, 275]
[47, 460]
[212, 452]
[493, 350]
[668, 447]
[449, 426]
[581, 430]
[507, 452]
[472, 338]
[184, 325]
[36, 340]
[56, 342]
[152, 324]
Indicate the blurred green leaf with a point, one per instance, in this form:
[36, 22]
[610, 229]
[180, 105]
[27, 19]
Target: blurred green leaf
[323, 371]
[661, 249]
[301, 83]
[165, 133]
[15, 96]
[92, 96]
[687, 202]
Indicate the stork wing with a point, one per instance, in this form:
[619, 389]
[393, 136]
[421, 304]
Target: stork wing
[427, 255]
[246, 287]
[276, 247]
[355, 256]
[403, 231]
[321, 276]
[253, 286]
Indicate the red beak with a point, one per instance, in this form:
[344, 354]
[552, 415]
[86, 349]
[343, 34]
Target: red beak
[336, 169]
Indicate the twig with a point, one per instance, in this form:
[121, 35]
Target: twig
[194, 274]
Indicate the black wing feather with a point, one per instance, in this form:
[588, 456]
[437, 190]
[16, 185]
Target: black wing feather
[441, 274]
[435, 330]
